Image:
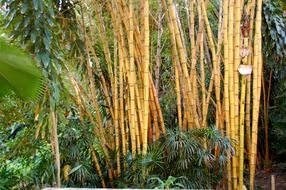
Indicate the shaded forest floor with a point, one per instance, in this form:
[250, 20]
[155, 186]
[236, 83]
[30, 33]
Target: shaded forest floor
[263, 177]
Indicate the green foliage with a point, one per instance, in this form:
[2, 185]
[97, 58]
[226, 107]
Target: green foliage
[75, 154]
[26, 162]
[187, 156]
[178, 160]
[195, 149]
[18, 72]
[274, 35]
[28, 172]
[31, 22]
[274, 47]
[170, 183]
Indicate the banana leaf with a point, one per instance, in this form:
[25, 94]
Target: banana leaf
[18, 73]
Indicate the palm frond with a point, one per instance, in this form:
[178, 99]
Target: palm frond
[18, 73]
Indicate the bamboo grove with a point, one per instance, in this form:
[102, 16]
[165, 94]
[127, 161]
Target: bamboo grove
[122, 72]
[205, 65]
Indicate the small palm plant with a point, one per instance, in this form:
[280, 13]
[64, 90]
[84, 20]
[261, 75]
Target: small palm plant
[196, 157]
[18, 72]
[192, 160]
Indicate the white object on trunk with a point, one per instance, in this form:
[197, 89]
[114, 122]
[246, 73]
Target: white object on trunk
[245, 69]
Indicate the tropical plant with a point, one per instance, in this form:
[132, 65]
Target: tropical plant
[100, 62]
[192, 159]
[170, 183]
[203, 150]
[18, 72]
[274, 34]
[77, 166]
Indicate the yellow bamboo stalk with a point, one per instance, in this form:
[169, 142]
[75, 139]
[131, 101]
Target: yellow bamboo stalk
[216, 66]
[192, 26]
[122, 60]
[237, 60]
[95, 104]
[251, 12]
[257, 67]
[175, 59]
[138, 134]
[90, 38]
[242, 107]
[98, 129]
[200, 44]
[204, 124]
[188, 117]
[138, 57]
[132, 79]
[183, 61]
[158, 108]
[116, 108]
[97, 166]
[179, 107]
[83, 109]
[193, 73]
[153, 110]
[219, 60]
[104, 40]
[241, 128]
[146, 76]
[121, 103]
[55, 142]
[159, 46]
[231, 90]
[203, 80]
[226, 84]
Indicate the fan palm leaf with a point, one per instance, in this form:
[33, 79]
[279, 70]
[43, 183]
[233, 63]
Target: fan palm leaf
[18, 73]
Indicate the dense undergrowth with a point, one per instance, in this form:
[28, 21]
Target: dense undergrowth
[192, 159]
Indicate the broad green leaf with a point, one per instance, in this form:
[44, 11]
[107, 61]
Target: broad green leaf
[18, 73]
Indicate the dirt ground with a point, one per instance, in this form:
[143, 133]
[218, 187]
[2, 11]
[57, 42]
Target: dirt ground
[263, 177]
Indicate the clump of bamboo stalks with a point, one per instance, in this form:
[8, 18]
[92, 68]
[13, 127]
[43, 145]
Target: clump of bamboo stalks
[206, 75]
